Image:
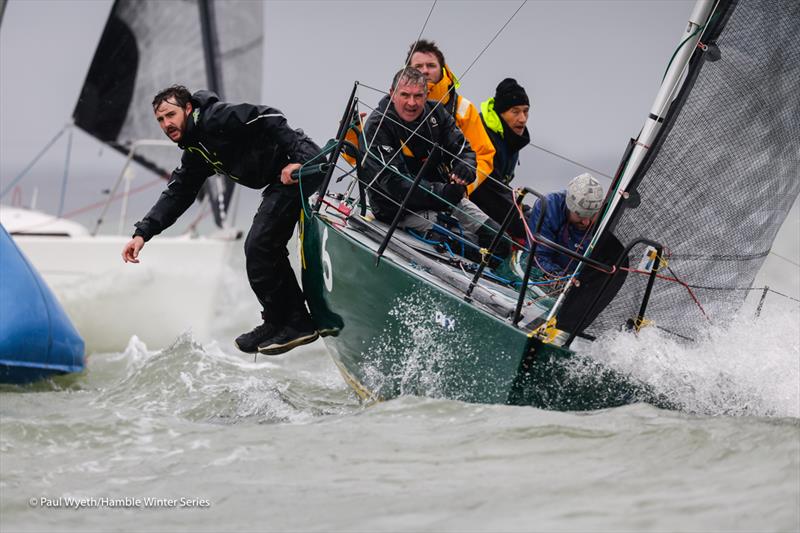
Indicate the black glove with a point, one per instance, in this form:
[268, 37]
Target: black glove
[452, 192]
[465, 172]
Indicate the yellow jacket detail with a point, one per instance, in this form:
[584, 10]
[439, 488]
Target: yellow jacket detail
[469, 121]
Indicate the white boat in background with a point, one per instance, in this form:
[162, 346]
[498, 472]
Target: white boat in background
[143, 48]
[172, 290]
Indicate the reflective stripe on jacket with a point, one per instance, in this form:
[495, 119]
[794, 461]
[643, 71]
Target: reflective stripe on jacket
[248, 143]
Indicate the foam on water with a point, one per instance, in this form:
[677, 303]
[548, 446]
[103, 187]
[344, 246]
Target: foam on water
[750, 366]
[747, 367]
[205, 383]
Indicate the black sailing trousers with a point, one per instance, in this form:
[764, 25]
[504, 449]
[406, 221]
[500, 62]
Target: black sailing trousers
[268, 270]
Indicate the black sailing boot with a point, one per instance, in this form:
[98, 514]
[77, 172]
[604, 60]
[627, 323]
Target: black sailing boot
[299, 330]
[250, 341]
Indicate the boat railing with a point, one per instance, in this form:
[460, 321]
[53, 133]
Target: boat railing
[122, 177]
[617, 265]
[537, 238]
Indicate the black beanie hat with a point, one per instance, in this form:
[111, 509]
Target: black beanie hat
[508, 94]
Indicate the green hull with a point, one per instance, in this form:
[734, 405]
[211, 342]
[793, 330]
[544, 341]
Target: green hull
[401, 332]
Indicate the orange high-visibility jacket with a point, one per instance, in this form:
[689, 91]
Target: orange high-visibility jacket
[468, 119]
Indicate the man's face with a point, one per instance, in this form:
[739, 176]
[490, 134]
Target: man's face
[516, 117]
[428, 64]
[582, 223]
[172, 118]
[409, 100]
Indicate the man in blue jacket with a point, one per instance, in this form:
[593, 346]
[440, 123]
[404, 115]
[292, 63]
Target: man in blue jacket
[569, 218]
[254, 146]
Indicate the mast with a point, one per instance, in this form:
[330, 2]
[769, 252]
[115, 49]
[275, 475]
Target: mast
[219, 190]
[670, 85]
[211, 51]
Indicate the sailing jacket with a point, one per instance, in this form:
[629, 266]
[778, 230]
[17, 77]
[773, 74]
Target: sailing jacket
[506, 142]
[467, 119]
[395, 157]
[557, 228]
[248, 143]
[493, 196]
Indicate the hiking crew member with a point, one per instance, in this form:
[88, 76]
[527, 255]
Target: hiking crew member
[254, 146]
[505, 118]
[426, 57]
[395, 156]
[568, 220]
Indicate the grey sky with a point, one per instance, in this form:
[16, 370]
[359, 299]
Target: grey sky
[591, 68]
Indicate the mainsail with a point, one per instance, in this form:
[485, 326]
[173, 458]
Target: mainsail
[147, 46]
[722, 174]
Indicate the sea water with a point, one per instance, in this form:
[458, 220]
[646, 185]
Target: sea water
[198, 437]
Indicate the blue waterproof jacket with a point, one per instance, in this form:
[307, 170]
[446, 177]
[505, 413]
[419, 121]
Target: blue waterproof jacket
[557, 228]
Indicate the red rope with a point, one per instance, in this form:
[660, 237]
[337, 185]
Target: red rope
[675, 280]
[95, 205]
[614, 268]
[113, 198]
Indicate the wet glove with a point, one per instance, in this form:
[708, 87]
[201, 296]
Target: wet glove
[465, 172]
[451, 192]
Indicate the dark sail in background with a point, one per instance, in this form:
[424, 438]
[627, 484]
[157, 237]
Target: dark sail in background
[723, 173]
[147, 46]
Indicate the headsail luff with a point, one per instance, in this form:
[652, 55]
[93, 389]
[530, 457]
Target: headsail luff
[723, 172]
[149, 45]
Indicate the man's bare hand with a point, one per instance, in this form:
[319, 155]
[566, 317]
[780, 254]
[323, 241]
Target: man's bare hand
[286, 173]
[130, 253]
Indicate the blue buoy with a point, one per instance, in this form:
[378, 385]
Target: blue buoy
[37, 339]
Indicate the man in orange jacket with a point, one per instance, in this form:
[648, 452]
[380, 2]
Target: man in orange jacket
[426, 57]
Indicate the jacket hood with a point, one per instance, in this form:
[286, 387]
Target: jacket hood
[201, 101]
[441, 91]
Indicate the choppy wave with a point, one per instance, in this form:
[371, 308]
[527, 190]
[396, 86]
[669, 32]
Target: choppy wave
[204, 383]
[749, 367]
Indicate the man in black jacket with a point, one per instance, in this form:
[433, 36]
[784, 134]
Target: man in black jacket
[400, 135]
[255, 147]
[505, 118]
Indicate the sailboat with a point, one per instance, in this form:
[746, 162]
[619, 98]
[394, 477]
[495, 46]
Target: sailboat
[144, 47]
[691, 214]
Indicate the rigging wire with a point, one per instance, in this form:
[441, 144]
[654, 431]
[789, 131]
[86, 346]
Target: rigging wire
[785, 258]
[424, 25]
[574, 162]
[496, 35]
[439, 102]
